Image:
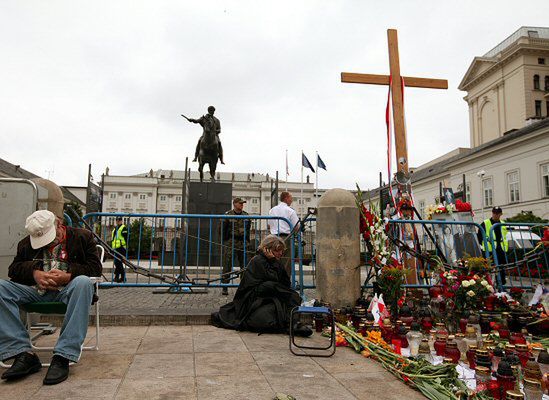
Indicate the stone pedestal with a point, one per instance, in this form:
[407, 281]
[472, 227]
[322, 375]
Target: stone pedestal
[338, 248]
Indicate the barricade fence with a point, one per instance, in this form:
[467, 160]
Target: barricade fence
[521, 257]
[196, 249]
[193, 249]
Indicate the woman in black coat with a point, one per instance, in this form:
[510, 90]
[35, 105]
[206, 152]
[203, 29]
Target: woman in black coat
[264, 298]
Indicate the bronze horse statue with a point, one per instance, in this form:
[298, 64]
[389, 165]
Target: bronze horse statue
[209, 149]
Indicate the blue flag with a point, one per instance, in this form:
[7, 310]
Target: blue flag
[305, 162]
[320, 163]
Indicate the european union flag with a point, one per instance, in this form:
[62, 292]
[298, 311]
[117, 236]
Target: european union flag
[305, 162]
[320, 163]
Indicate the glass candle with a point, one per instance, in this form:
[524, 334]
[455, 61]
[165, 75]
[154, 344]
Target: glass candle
[505, 377]
[497, 355]
[532, 389]
[462, 345]
[471, 356]
[440, 346]
[482, 376]
[452, 351]
[514, 395]
[482, 358]
[414, 339]
[523, 353]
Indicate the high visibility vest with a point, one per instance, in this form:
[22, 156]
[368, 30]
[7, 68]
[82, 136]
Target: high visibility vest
[504, 242]
[118, 239]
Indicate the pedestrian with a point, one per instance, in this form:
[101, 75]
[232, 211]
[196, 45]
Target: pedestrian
[236, 238]
[499, 236]
[119, 238]
[53, 264]
[282, 229]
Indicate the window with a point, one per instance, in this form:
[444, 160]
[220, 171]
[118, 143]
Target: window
[488, 191]
[546, 84]
[254, 201]
[513, 186]
[538, 108]
[142, 196]
[547, 107]
[128, 196]
[545, 180]
[536, 82]
[422, 209]
[468, 192]
[177, 198]
[163, 197]
[541, 61]
[112, 196]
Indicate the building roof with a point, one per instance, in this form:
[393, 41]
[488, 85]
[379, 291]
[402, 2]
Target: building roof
[536, 32]
[15, 171]
[444, 166]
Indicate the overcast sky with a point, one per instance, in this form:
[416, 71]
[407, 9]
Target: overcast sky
[105, 82]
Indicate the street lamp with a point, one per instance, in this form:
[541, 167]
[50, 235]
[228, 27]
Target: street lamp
[481, 174]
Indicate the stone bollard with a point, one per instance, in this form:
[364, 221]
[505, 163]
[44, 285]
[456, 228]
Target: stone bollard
[338, 248]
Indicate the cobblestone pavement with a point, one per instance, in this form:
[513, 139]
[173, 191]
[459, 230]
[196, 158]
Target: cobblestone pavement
[207, 363]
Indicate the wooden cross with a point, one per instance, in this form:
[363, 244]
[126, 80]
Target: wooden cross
[397, 99]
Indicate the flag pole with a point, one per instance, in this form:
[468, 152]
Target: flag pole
[287, 171]
[316, 180]
[301, 208]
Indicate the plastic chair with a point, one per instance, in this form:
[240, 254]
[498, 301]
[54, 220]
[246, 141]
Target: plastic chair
[313, 310]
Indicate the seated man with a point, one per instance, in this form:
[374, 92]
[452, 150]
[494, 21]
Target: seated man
[264, 298]
[53, 264]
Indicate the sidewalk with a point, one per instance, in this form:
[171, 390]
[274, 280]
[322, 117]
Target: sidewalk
[204, 362]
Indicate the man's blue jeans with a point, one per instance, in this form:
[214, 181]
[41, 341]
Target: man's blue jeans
[14, 338]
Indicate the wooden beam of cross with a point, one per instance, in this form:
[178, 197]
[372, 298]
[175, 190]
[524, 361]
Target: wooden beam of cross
[397, 98]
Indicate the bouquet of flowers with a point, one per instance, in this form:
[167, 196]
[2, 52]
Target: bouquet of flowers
[462, 206]
[433, 209]
[390, 282]
[472, 291]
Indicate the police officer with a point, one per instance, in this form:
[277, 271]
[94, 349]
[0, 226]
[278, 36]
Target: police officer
[119, 239]
[499, 235]
[236, 236]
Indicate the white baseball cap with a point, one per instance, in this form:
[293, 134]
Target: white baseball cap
[41, 227]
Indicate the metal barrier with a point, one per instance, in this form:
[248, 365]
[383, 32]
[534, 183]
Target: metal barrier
[417, 240]
[193, 247]
[526, 262]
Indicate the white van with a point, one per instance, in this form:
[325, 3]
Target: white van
[520, 237]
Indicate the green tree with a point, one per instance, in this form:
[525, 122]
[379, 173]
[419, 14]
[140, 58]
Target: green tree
[528, 217]
[146, 233]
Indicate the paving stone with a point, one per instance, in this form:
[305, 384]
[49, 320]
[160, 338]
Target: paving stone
[252, 386]
[74, 389]
[161, 366]
[233, 364]
[96, 365]
[217, 341]
[273, 363]
[157, 389]
[310, 386]
[167, 340]
[381, 385]
[347, 360]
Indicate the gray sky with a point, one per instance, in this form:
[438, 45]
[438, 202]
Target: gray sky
[105, 82]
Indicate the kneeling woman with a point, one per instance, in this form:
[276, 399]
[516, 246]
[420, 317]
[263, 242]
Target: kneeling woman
[264, 298]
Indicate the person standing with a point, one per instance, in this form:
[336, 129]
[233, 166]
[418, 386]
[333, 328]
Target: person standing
[499, 236]
[281, 228]
[236, 237]
[119, 239]
[53, 264]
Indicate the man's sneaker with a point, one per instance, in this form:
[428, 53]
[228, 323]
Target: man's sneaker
[225, 291]
[58, 370]
[23, 365]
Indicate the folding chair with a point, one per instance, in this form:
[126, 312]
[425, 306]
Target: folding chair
[58, 308]
[297, 311]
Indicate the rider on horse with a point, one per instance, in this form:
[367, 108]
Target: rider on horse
[208, 122]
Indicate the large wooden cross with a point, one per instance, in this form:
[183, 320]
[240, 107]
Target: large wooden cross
[397, 99]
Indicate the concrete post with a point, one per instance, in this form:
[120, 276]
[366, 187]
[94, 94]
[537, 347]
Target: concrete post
[338, 248]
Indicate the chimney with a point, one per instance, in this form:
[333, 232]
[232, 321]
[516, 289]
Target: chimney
[307, 181]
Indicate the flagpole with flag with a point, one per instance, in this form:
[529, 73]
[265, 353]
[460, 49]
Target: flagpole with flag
[287, 170]
[307, 164]
[319, 164]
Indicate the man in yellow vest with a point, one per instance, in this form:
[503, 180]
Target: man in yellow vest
[119, 243]
[499, 235]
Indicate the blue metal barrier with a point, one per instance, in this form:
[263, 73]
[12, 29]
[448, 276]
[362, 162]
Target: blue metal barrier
[187, 245]
[526, 262]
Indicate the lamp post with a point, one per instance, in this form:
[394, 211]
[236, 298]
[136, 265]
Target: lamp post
[481, 174]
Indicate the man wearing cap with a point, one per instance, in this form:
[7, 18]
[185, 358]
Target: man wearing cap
[53, 264]
[499, 235]
[119, 238]
[236, 237]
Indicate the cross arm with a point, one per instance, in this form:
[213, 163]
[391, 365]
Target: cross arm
[372, 79]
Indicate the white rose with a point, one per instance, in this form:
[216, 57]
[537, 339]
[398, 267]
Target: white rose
[490, 288]
[465, 284]
[470, 293]
[472, 282]
[484, 282]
